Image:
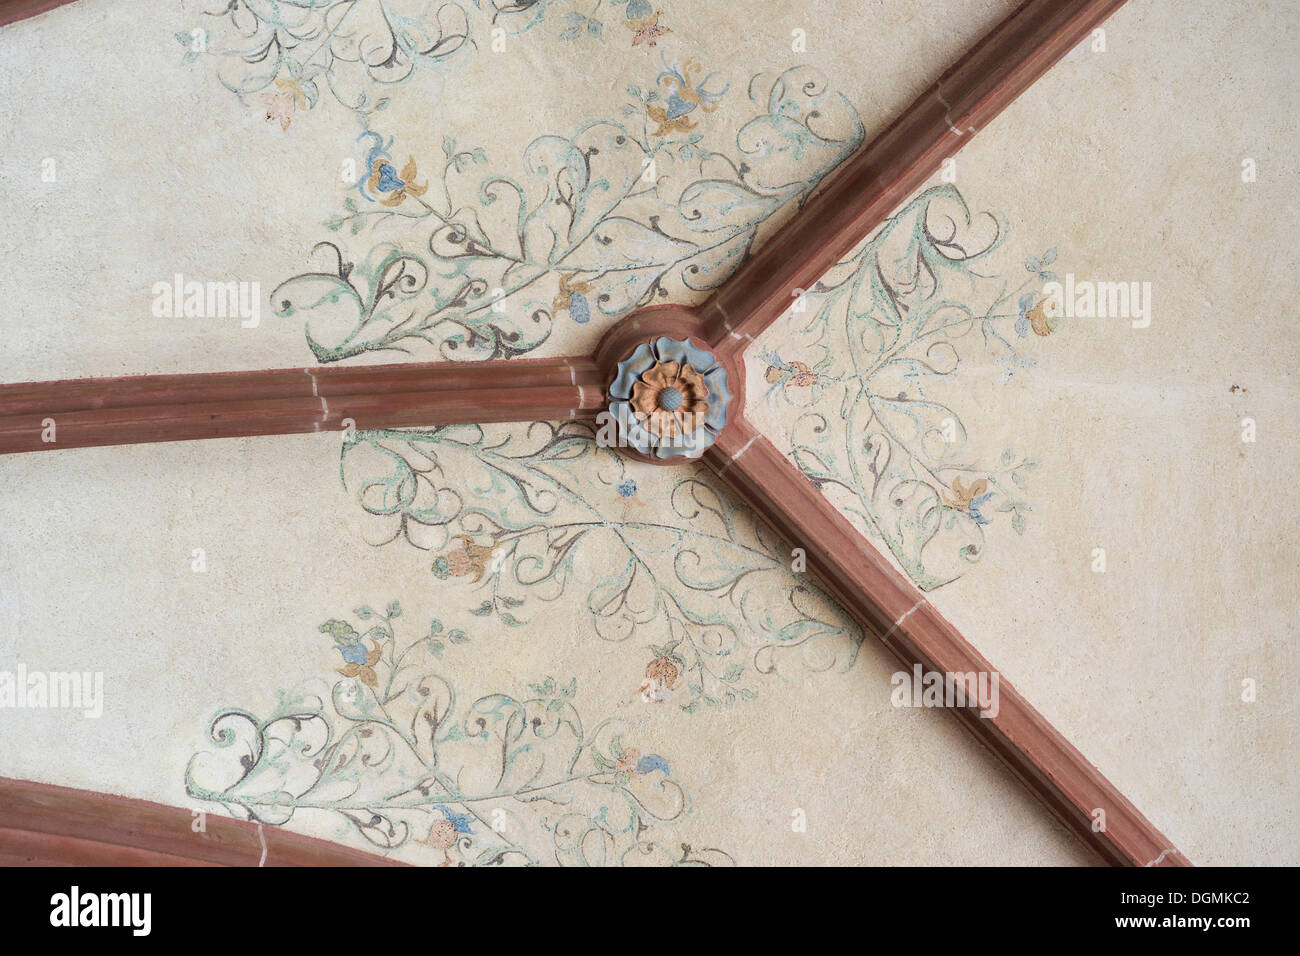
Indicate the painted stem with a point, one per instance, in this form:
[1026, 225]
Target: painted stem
[868, 187]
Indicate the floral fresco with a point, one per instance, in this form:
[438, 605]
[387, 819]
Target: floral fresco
[392, 752]
[459, 256]
[504, 644]
[539, 513]
[461, 262]
[518, 518]
[288, 53]
[870, 363]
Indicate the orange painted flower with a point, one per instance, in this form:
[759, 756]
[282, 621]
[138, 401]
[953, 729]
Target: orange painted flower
[647, 29]
[628, 762]
[803, 375]
[459, 563]
[631, 763]
[280, 106]
[442, 835]
[663, 672]
[1039, 320]
[670, 399]
[469, 558]
[800, 375]
[662, 677]
[445, 833]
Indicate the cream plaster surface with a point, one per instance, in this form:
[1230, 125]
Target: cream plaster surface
[97, 575]
[1130, 163]
[160, 170]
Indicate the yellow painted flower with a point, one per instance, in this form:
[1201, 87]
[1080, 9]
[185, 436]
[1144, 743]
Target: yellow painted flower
[969, 498]
[676, 124]
[1039, 320]
[963, 495]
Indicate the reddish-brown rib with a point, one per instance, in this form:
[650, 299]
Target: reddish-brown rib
[12, 11]
[889, 607]
[151, 408]
[45, 825]
[870, 185]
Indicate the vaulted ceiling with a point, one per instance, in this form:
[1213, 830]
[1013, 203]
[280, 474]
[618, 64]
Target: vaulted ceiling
[316, 314]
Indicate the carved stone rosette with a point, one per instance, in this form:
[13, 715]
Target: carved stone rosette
[670, 398]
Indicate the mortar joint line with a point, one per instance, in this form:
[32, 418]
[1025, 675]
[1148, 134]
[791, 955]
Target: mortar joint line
[906, 614]
[947, 111]
[743, 448]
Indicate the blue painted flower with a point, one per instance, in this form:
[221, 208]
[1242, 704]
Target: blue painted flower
[652, 762]
[381, 182]
[354, 653]
[1022, 322]
[631, 762]
[573, 296]
[626, 488]
[969, 498]
[358, 661]
[975, 506]
[684, 97]
[461, 821]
